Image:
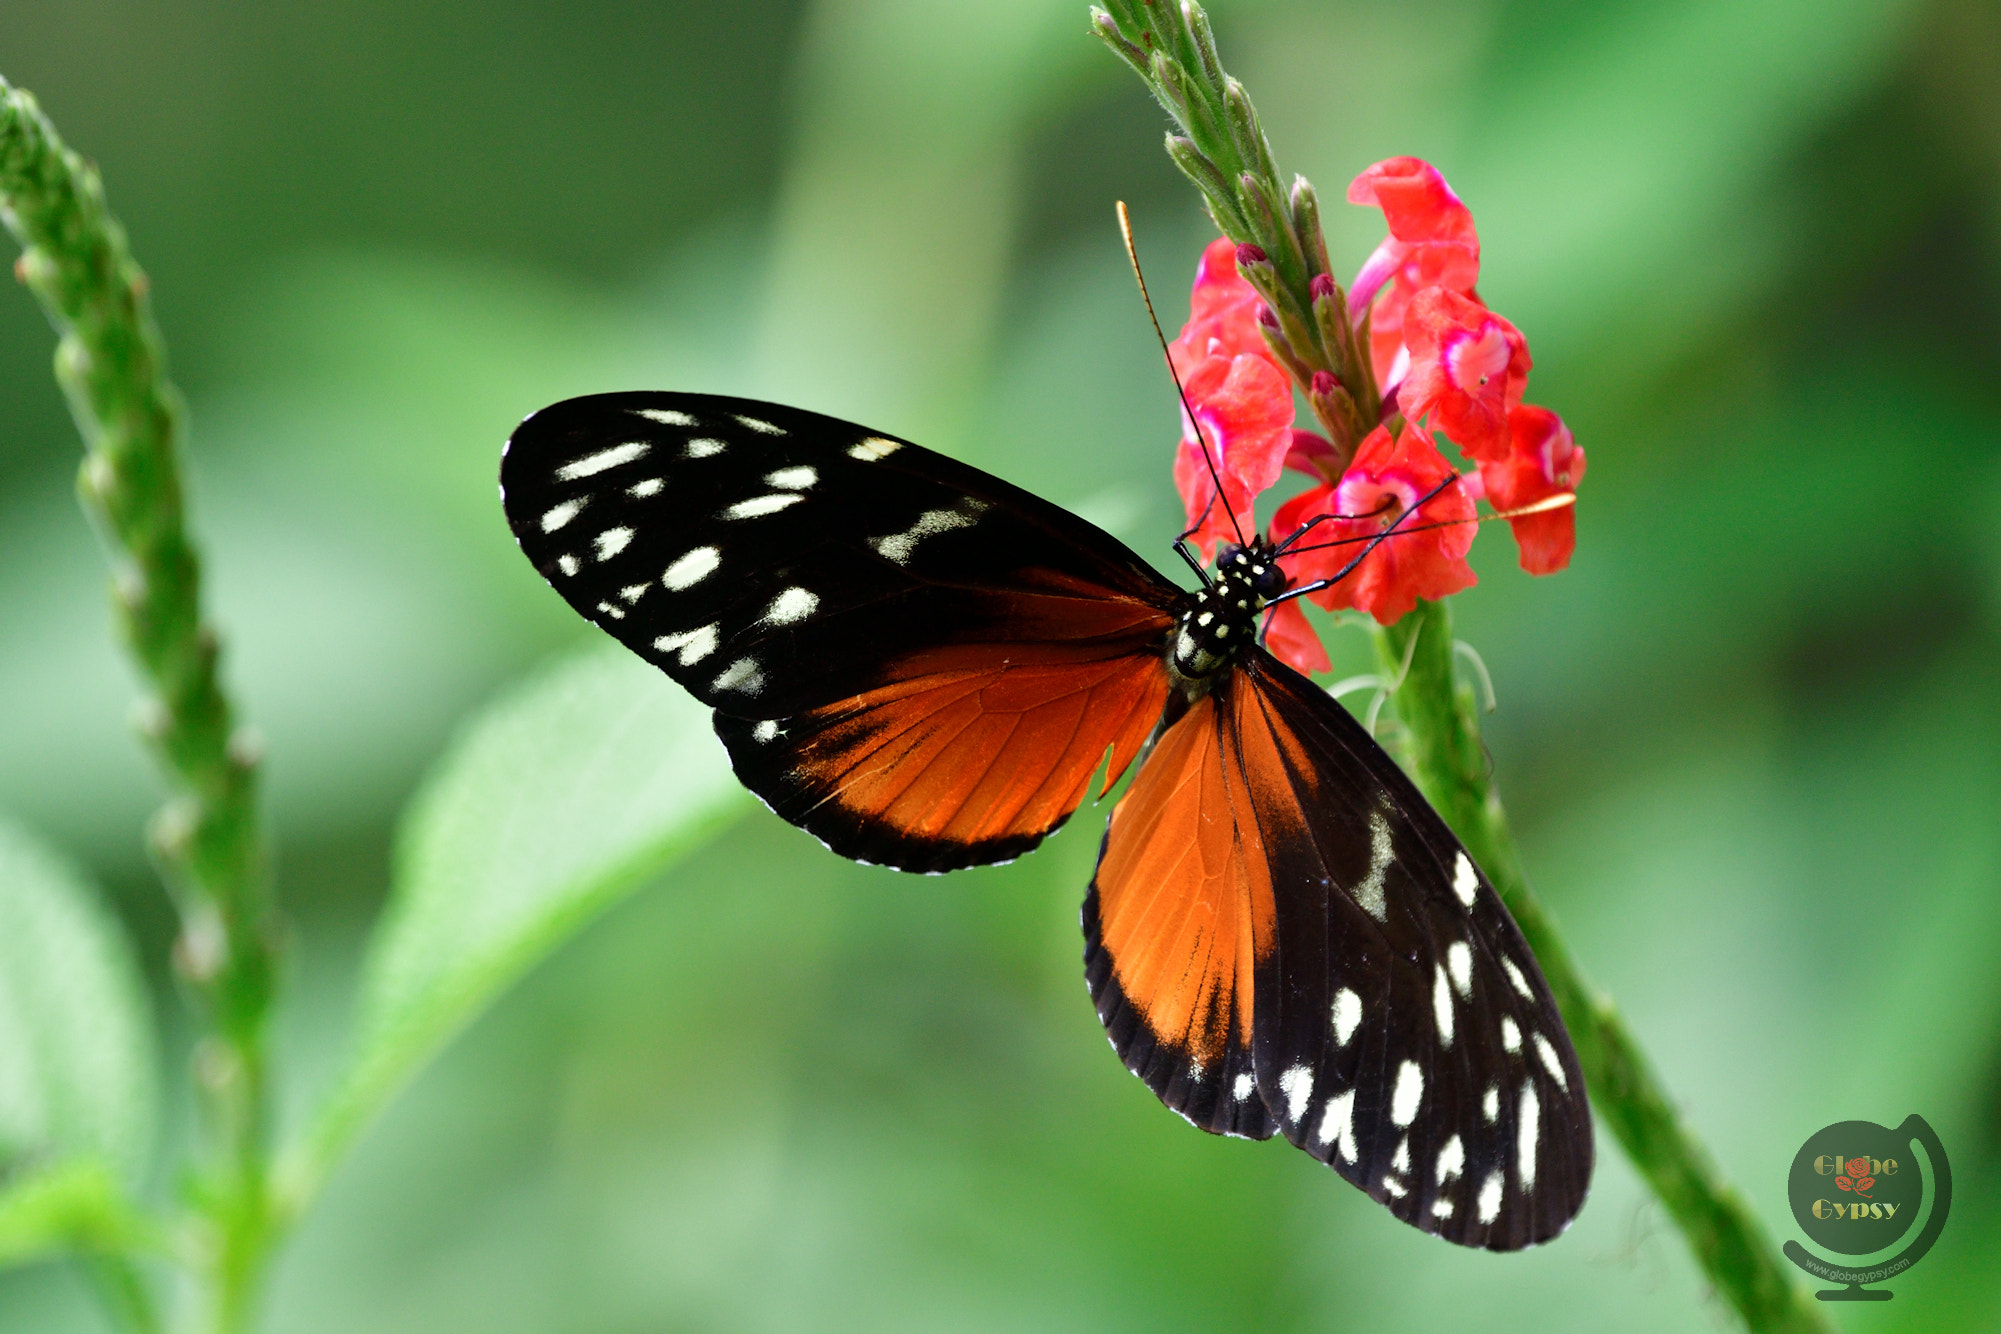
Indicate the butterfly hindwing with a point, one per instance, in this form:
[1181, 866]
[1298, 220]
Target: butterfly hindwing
[1397, 1028]
[1405, 1035]
[914, 660]
[1173, 922]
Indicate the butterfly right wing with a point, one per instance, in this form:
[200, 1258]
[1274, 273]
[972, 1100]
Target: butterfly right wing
[913, 660]
[1283, 936]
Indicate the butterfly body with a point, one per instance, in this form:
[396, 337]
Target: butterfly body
[1221, 621]
[926, 668]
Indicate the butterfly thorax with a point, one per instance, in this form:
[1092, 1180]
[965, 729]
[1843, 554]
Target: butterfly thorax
[1221, 621]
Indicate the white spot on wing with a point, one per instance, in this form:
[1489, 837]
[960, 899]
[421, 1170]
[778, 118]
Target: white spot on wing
[1347, 1014]
[1451, 1159]
[640, 490]
[874, 448]
[1515, 977]
[568, 564]
[692, 568]
[1551, 1063]
[740, 675]
[557, 515]
[591, 464]
[703, 447]
[693, 645]
[766, 730]
[1408, 1093]
[1465, 880]
[898, 546]
[1459, 961]
[1526, 1140]
[1337, 1123]
[666, 416]
[1395, 1188]
[1243, 1087]
[1490, 1106]
[759, 425]
[1441, 1005]
[1490, 1197]
[1441, 1207]
[612, 541]
[1297, 1086]
[1400, 1160]
[1369, 893]
[793, 479]
[757, 505]
[794, 604]
[1511, 1034]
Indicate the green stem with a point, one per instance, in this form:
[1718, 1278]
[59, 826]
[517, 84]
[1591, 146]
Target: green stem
[206, 839]
[1446, 759]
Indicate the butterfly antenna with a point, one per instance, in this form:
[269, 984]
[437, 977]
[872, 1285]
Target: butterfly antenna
[1215, 478]
[1374, 540]
[1562, 500]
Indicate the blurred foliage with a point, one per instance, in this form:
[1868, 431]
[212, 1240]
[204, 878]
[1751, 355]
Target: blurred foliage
[1751, 740]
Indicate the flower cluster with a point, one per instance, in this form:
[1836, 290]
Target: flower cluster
[1443, 366]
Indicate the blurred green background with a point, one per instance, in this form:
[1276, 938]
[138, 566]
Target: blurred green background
[1751, 740]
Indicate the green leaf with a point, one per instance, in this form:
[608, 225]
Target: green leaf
[73, 1205]
[560, 799]
[78, 1068]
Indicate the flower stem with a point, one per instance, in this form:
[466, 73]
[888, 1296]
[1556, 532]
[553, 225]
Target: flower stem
[1222, 149]
[206, 839]
[1446, 759]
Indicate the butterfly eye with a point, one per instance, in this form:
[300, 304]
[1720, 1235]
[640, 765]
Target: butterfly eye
[1269, 581]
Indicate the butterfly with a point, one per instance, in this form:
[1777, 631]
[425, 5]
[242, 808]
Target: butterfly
[927, 667]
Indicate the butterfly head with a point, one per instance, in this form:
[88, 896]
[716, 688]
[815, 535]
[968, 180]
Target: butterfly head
[1222, 620]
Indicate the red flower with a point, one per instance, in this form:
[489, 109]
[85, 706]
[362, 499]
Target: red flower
[1468, 367]
[1388, 476]
[1431, 244]
[1463, 370]
[1240, 396]
[1293, 640]
[1542, 461]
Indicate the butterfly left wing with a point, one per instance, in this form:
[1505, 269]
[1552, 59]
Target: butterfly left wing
[917, 662]
[1283, 934]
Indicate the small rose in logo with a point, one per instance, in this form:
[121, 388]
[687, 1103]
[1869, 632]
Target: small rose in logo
[1857, 1178]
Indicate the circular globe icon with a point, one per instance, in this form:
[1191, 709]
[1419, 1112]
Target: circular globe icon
[1855, 1188]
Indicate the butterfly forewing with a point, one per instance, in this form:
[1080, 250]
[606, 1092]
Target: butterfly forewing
[912, 659]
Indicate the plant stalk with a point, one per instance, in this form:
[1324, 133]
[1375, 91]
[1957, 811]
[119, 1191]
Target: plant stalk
[206, 839]
[1448, 762]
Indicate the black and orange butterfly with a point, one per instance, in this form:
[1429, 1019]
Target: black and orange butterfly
[925, 666]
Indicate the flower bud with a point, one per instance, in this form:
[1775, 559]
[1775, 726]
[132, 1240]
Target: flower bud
[1209, 179]
[1306, 222]
[1107, 29]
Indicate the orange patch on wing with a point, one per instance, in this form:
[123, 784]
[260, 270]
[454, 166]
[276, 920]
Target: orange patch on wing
[1185, 903]
[970, 742]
